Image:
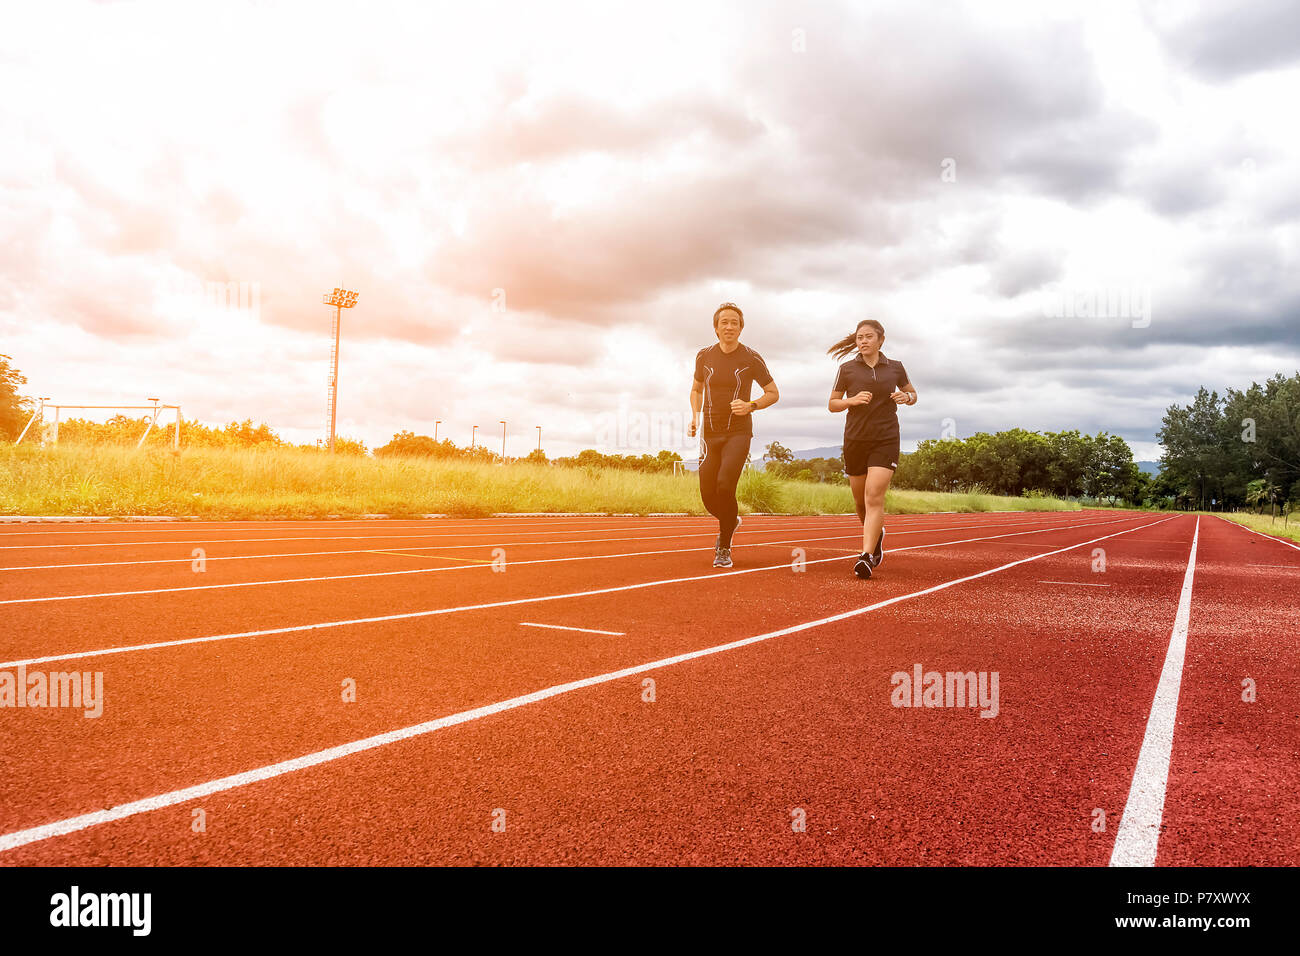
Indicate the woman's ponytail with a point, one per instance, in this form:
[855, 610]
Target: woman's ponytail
[849, 344]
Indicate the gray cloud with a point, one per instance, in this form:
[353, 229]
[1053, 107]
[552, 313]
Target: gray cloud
[1226, 39]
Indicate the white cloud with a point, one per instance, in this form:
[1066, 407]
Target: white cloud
[618, 172]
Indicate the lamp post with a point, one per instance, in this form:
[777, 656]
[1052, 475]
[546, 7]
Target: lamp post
[471, 436]
[341, 299]
[503, 440]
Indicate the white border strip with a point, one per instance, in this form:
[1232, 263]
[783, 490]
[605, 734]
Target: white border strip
[584, 630]
[1139, 829]
[17, 838]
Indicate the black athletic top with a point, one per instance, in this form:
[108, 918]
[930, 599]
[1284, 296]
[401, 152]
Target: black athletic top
[727, 377]
[878, 418]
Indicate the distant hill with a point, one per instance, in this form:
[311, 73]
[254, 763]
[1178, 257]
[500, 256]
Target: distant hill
[1152, 468]
[831, 451]
[756, 455]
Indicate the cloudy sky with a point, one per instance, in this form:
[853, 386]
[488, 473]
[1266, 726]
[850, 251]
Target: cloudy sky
[1065, 215]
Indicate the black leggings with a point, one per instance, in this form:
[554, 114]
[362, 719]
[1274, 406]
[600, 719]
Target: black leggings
[720, 468]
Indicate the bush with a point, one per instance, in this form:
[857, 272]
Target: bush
[760, 490]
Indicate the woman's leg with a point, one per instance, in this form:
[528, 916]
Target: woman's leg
[732, 463]
[876, 483]
[858, 484]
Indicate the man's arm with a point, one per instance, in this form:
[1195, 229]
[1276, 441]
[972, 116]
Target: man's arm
[769, 397]
[697, 402]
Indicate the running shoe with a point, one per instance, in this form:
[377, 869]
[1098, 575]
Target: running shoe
[863, 567]
[717, 542]
[878, 555]
[722, 559]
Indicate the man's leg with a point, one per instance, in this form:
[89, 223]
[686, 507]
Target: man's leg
[733, 455]
[709, 476]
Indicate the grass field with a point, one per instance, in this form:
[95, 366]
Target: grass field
[225, 483]
[1288, 529]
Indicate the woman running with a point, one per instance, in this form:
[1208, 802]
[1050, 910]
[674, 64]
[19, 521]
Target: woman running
[875, 386]
[723, 376]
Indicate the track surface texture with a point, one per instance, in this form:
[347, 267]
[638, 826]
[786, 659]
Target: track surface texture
[592, 691]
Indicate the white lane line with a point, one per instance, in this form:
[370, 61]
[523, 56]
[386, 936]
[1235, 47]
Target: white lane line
[451, 547]
[451, 524]
[1287, 567]
[1235, 524]
[389, 574]
[1077, 584]
[382, 574]
[308, 537]
[785, 566]
[17, 838]
[1139, 829]
[584, 630]
[392, 537]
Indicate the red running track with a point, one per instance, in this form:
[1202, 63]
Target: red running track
[773, 735]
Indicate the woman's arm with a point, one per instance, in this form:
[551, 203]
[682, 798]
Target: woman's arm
[905, 395]
[839, 403]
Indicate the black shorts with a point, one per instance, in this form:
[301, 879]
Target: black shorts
[859, 455]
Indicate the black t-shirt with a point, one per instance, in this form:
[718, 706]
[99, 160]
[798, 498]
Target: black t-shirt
[727, 377]
[879, 417]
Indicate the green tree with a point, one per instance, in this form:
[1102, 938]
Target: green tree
[15, 409]
[778, 452]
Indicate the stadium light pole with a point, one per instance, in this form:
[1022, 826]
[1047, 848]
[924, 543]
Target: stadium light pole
[471, 436]
[341, 299]
[503, 439]
[435, 430]
[539, 437]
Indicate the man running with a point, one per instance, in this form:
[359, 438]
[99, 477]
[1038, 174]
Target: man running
[723, 376]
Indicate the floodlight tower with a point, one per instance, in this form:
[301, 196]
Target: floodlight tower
[341, 299]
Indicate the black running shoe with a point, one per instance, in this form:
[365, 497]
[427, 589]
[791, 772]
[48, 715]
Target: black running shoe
[723, 558]
[878, 555]
[863, 568]
[717, 542]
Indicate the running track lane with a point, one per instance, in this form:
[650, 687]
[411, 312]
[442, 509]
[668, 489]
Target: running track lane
[1234, 777]
[39, 629]
[258, 700]
[26, 570]
[713, 713]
